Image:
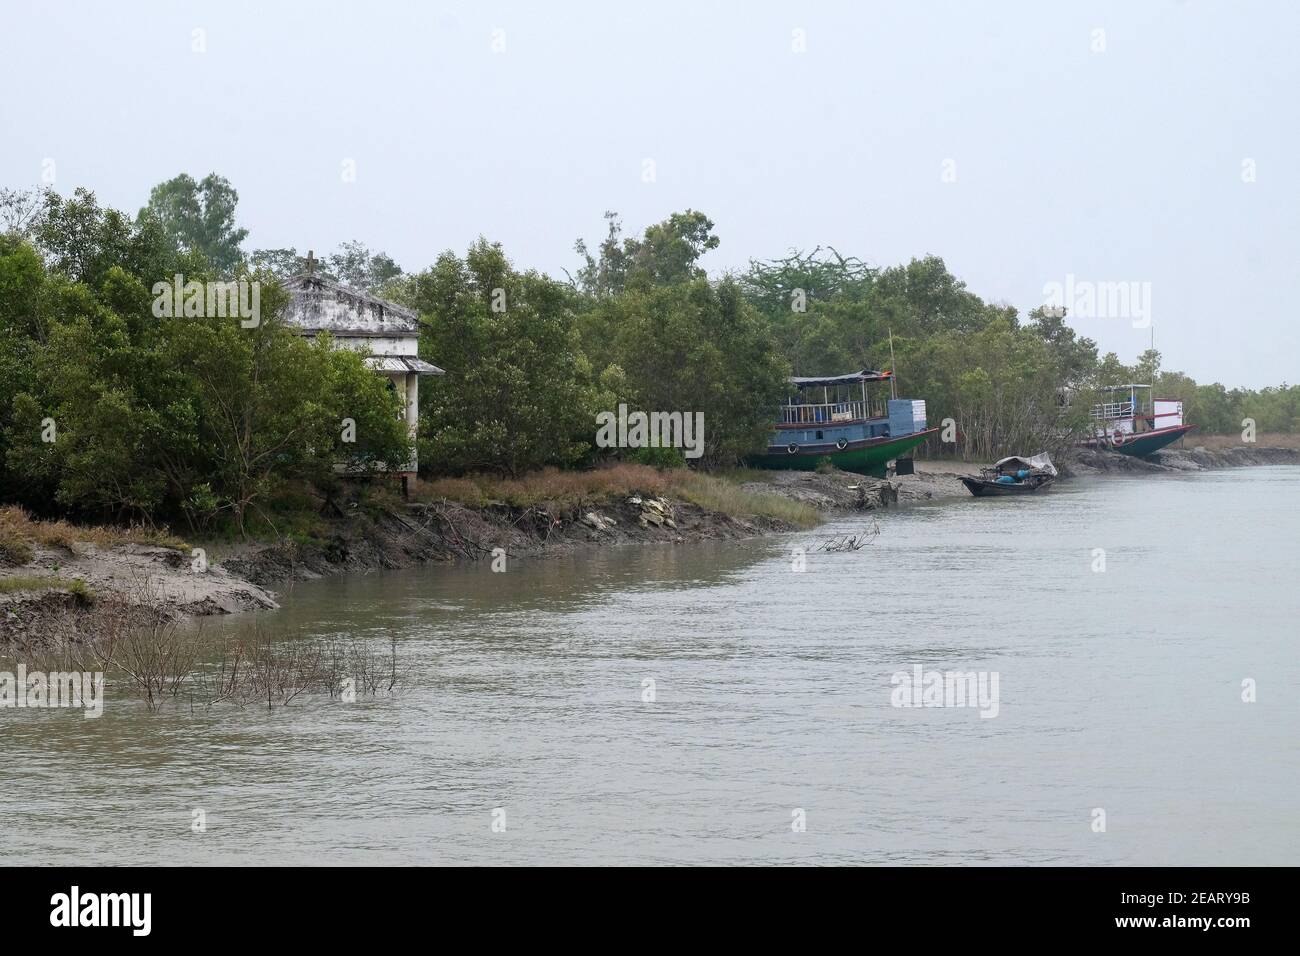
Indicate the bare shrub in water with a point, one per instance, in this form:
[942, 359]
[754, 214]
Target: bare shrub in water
[162, 659]
[156, 656]
[278, 672]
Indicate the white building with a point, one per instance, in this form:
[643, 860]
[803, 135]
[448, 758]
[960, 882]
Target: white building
[387, 333]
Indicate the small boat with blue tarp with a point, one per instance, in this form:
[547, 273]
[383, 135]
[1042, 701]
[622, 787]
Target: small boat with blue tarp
[1015, 475]
[839, 418]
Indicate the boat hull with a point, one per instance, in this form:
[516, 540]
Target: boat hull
[864, 457]
[992, 489]
[1143, 443]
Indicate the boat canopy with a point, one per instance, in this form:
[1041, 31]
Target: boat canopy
[1039, 462]
[853, 378]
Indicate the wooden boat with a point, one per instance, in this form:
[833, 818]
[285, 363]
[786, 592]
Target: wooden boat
[855, 430]
[1136, 424]
[1015, 475]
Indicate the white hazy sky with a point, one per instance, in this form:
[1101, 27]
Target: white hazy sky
[1119, 165]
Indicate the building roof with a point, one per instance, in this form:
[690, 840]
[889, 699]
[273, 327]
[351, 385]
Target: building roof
[402, 363]
[322, 305]
[866, 375]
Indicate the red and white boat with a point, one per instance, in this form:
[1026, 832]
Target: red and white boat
[1134, 423]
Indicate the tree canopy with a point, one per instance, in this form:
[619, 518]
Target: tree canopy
[107, 410]
[199, 216]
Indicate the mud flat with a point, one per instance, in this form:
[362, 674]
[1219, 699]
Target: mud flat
[77, 591]
[841, 491]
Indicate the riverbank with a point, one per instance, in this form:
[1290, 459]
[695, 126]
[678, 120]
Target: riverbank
[63, 583]
[1195, 458]
[60, 583]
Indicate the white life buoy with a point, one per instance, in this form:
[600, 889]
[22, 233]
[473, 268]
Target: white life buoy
[842, 444]
[791, 448]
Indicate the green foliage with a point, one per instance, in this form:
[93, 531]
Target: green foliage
[692, 347]
[271, 406]
[282, 263]
[199, 217]
[1074, 357]
[668, 253]
[787, 285]
[81, 241]
[81, 592]
[519, 393]
[833, 313]
[657, 457]
[672, 341]
[357, 266]
[1000, 384]
[109, 411]
[219, 425]
[22, 277]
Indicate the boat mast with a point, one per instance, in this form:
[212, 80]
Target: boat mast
[893, 366]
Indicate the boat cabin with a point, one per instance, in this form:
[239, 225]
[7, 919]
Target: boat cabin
[850, 419]
[1131, 422]
[840, 406]
[1131, 410]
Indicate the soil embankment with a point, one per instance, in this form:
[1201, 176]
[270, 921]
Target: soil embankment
[76, 591]
[1196, 458]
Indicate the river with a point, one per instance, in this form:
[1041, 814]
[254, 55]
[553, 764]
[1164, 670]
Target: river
[525, 727]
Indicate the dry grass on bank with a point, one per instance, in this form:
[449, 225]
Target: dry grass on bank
[727, 497]
[574, 489]
[20, 533]
[550, 485]
[1222, 442]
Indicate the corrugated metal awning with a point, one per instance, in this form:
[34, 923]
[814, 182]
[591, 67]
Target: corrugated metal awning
[421, 367]
[866, 375]
[402, 363]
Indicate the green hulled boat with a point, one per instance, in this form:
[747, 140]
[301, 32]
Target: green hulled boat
[854, 430]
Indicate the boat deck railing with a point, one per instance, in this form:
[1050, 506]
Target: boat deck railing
[1111, 410]
[830, 413]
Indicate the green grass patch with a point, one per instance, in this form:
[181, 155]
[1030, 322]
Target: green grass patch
[48, 582]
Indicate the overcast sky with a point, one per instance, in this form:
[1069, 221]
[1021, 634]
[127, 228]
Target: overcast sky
[1015, 140]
